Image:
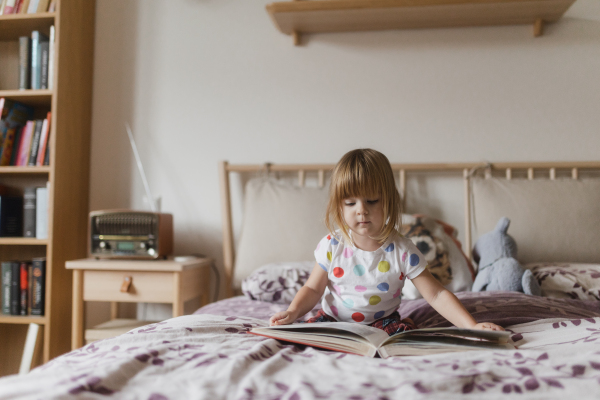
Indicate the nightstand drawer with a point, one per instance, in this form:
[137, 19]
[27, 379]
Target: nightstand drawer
[148, 287]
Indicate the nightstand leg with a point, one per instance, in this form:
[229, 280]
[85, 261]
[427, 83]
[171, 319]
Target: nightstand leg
[114, 310]
[78, 313]
[177, 302]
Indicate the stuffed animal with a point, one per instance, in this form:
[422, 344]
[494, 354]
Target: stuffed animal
[498, 268]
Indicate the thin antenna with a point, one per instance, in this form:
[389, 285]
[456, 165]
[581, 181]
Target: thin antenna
[140, 168]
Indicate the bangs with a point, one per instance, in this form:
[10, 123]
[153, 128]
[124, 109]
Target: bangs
[358, 179]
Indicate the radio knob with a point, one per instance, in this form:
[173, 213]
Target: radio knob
[102, 245]
[151, 251]
[142, 245]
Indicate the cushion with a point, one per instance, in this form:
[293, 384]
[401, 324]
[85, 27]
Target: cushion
[281, 222]
[446, 261]
[551, 220]
[568, 281]
[277, 282]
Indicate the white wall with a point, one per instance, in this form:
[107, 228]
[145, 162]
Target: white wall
[202, 81]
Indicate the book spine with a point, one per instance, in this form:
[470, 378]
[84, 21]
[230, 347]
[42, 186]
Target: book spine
[42, 6]
[51, 58]
[39, 286]
[41, 213]
[6, 279]
[11, 216]
[15, 289]
[24, 283]
[35, 141]
[23, 7]
[29, 287]
[44, 55]
[16, 145]
[44, 141]
[47, 156]
[24, 62]
[35, 47]
[29, 214]
[33, 5]
[9, 8]
[7, 146]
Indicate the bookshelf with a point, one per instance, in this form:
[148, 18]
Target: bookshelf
[68, 172]
[317, 16]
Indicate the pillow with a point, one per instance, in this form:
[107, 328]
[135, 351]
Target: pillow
[551, 220]
[280, 222]
[277, 282]
[446, 261]
[568, 281]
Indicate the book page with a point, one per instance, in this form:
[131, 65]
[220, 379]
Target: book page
[372, 335]
[432, 333]
[426, 347]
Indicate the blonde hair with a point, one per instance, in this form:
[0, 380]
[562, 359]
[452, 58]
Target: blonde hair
[364, 173]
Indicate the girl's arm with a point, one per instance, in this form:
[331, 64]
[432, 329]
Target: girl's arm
[446, 303]
[306, 298]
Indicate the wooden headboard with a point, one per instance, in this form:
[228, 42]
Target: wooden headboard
[508, 170]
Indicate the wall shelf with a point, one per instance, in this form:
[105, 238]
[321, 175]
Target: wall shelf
[317, 16]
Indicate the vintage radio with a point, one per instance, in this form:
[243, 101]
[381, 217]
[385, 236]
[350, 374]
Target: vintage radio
[130, 234]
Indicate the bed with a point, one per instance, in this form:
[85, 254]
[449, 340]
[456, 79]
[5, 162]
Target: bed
[210, 355]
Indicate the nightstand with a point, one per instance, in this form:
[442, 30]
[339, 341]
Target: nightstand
[135, 281]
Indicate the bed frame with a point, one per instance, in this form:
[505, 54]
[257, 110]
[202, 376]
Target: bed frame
[530, 170]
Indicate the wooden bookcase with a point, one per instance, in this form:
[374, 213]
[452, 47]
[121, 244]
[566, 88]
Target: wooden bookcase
[68, 172]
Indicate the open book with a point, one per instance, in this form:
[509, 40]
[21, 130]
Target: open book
[368, 341]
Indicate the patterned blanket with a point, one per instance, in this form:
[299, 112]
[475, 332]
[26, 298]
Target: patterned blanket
[209, 355]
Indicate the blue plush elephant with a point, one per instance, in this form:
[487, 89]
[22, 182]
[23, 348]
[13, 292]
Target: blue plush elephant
[498, 268]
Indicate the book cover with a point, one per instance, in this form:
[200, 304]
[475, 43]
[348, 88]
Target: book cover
[51, 57]
[36, 58]
[18, 6]
[16, 145]
[47, 156]
[368, 341]
[17, 115]
[11, 216]
[7, 146]
[6, 280]
[35, 141]
[24, 62]
[44, 54]
[15, 288]
[41, 213]
[25, 143]
[29, 215]
[24, 283]
[38, 300]
[44, 141]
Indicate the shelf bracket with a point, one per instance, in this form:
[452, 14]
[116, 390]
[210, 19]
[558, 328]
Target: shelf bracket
[538, 27]
[296, 37]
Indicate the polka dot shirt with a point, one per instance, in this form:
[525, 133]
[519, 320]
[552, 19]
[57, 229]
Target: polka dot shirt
[366, 285]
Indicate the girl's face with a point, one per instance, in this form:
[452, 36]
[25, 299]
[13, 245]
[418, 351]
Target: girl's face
[363, 215]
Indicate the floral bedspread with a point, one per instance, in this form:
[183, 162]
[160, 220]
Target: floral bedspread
[209, 356]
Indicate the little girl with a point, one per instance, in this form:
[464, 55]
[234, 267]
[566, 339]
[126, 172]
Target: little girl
[361, 266]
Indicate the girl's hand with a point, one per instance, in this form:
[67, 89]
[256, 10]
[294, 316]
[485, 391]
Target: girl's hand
[488, 326]
[283, 318]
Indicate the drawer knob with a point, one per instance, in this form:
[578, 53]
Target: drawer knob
[126, 285]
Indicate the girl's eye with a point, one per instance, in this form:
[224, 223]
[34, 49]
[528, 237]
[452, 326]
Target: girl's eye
[350, 204]
[372, 201]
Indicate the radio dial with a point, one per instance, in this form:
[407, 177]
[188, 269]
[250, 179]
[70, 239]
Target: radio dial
[142, 245]
[104, 245]
[151, 251]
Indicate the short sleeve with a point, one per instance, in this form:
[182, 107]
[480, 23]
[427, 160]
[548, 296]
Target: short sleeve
[414, 261]
[323, 253]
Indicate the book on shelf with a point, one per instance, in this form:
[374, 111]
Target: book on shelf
[41, 156]
[38, 296]
[32, 349]
[23, 287]
[29, 210]
[368, 341]
[51, 57]
[13, 115]
[24, 62]
[11, 216]
[37, 40]
[41, 212]
[44, 56]
[35, 141]
[23, 142]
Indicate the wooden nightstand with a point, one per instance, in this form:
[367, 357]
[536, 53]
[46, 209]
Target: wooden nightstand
[136, 281]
